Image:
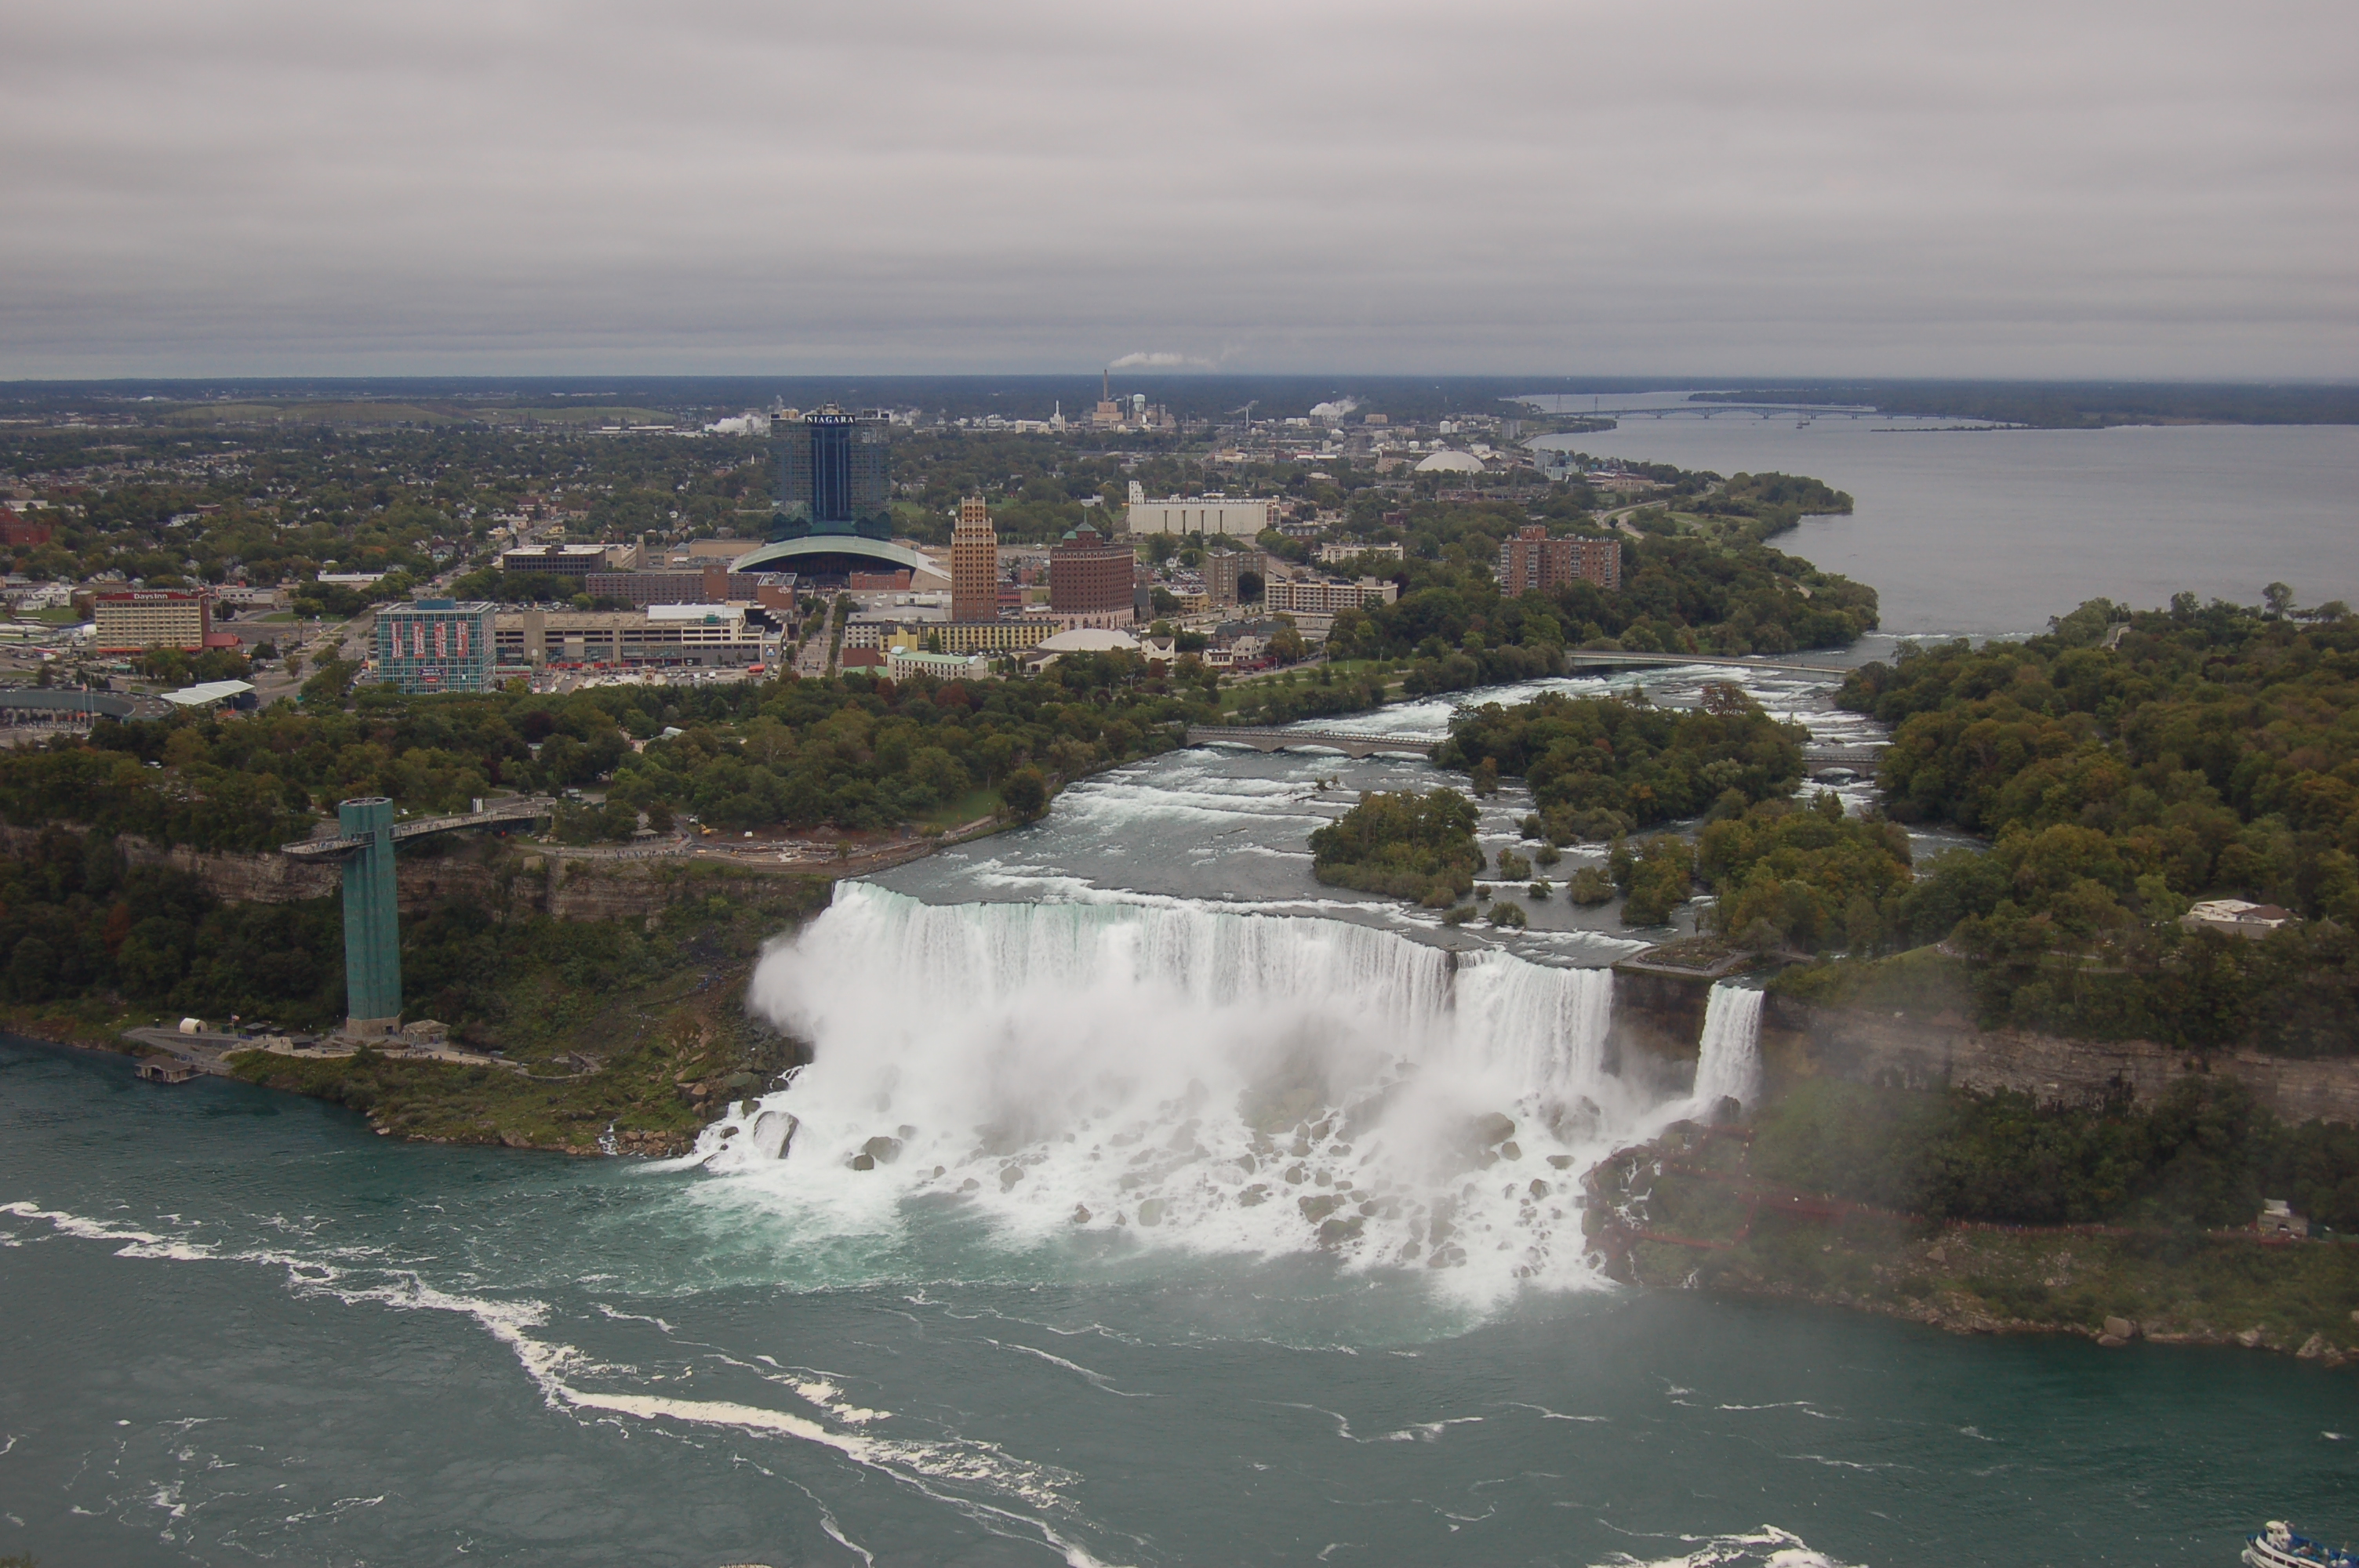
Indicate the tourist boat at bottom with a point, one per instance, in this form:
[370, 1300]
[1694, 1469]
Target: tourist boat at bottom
[2276, 1546]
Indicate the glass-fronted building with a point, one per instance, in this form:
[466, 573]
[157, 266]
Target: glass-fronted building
[435, 644]
[831, 472]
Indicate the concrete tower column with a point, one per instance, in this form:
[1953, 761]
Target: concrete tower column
[372, 921]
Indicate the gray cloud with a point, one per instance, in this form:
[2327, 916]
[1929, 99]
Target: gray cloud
[514, 186]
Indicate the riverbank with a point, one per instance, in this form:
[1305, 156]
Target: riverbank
[631, 1054]
[621, 1034]
[1684, 1212]
[595, 997]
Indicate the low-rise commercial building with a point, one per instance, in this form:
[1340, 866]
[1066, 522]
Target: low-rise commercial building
[1345, 550]
[959, 638]
[1237, 516]
[711, 582]
[556, 560]
[239, 596]
[900, 664]
[1316, 597]
[134, 620]
[2235, 917]
[1008, 636]
[696, 552]
[436, 645]
[707, 635]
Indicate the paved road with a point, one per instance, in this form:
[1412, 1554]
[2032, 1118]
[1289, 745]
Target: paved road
[812, 659]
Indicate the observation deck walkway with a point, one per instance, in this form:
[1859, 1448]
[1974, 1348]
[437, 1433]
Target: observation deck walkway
[528, 808]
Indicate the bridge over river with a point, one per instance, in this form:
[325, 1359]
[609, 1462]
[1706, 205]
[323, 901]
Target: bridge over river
[1361, 744]
[1606, 660]
[1860, 758]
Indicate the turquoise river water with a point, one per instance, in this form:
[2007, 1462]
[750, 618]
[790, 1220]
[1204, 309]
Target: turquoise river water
[1176, 1250]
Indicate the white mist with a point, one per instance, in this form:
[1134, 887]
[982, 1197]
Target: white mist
[1215, 1082]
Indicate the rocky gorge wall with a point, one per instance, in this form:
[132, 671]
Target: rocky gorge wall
[1800, 1040]
[1658, 1015]
[503, 879]
[1663, 1015]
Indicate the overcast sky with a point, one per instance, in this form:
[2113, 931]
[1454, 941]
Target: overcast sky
[1649, 187]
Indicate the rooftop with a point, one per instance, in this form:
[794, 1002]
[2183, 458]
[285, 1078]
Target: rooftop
[206, 693]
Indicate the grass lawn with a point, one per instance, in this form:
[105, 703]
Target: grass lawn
[965, 808]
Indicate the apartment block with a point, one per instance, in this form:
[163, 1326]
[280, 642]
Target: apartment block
[1531, 560]
[1316, 597]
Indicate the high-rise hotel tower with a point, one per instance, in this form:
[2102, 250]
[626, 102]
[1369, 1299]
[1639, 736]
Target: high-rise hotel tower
[975, 564]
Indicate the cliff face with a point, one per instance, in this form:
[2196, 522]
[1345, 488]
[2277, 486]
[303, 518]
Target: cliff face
[1799, 1041]
[1655, 1015]
[238, 879]
[1662, 1016]
[499, 877]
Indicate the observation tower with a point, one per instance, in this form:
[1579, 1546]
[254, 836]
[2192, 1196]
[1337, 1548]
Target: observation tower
[363, 847]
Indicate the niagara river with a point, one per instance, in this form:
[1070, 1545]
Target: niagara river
[1144, 1202]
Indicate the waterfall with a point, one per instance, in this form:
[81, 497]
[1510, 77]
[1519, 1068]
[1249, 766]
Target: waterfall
[1185, 1077]
[1728, 1065]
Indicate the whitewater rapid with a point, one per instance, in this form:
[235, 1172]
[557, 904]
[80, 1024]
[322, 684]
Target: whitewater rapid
[1177, 1076]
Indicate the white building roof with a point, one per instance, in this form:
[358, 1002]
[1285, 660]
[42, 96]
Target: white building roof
[1088, 640]
[1450, 463]
[206, 693]
[695, 611]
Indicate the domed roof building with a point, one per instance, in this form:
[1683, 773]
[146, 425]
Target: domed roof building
[1450, 463]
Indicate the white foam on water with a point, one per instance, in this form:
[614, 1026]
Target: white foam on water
[1156, 1073]
[1767, 1546]
[565, 1376]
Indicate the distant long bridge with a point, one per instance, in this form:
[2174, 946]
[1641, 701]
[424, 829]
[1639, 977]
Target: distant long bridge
[1605, 660]
[1739, 411]
[1344, 740]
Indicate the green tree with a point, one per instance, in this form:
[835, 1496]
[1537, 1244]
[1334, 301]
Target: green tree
[1025, 794]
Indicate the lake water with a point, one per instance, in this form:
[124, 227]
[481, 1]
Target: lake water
[1994, 531]
[1177, 1244]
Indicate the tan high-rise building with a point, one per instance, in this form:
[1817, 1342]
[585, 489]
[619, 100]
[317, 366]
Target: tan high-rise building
[975, 564]
[1222, 569]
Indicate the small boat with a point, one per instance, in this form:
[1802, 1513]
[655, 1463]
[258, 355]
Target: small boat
[2276, 1546]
